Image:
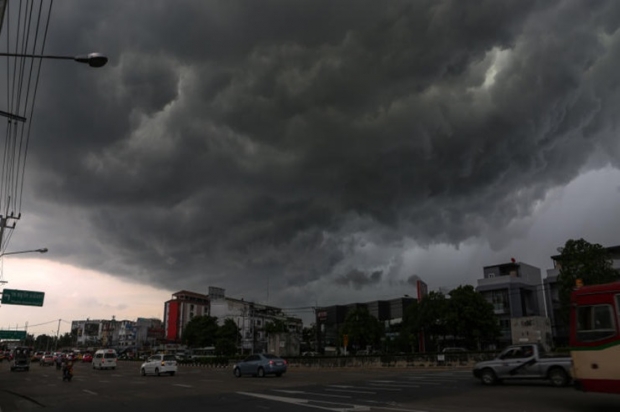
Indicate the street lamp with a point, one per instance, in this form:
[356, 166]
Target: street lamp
[42, 250]
[93, 59]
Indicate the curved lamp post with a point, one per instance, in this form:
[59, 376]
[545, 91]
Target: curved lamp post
[42, 250]
[93, 59]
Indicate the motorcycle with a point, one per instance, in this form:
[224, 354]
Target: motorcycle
[67, 372]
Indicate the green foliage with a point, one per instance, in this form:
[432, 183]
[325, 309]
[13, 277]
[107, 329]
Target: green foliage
[201, 331]
[586, 261]
[276, 326]
[362, 329]
[227, 338]
[471, 317]
[409, 328]
[465, 315]
[433, 314]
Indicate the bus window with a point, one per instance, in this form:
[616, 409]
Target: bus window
[595, 323]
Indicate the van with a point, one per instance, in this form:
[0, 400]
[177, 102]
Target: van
[105, 359]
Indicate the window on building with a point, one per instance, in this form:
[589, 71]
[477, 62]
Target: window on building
[595, 323]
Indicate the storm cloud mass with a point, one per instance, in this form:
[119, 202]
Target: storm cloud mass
[309, 145]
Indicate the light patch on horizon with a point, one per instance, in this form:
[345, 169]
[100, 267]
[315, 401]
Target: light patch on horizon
[74, 294]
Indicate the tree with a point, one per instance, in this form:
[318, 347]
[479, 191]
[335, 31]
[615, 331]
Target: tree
[408, 338]
[308, 337]
[432, 314]
[589, 262]
[201, 331]
[471, 317]
[275, 326]
[362, 329]
[227, 338]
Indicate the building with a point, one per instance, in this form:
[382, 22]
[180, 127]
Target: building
[560, 330]
[329, 319]
[150, 332]
[532, 329]
[182, 308]
[252, 319]
[515, 290]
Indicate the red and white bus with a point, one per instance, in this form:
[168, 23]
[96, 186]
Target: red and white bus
[595, 337]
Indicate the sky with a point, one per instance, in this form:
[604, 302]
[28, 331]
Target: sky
[304, 153]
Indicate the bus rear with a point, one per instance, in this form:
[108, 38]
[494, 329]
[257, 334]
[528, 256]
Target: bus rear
[595, 337]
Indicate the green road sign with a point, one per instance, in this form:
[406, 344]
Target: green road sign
[13, 334]
[22, 297]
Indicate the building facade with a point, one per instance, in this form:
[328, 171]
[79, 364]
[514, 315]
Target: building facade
[329, 319]
[515, 290]
[252, 319]
[182, 308]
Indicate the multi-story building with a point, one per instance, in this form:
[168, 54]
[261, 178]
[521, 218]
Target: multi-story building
[559, 327]
[515, 290]
[122, 334]
[329, 319]
[251, 318]
[182, 308]
[150, 332]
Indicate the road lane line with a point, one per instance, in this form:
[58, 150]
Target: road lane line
[311, 393]
[182, 386]
[91, 392]
[324, 405]
[350, 391]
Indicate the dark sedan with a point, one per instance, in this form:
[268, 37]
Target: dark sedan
[260, 365]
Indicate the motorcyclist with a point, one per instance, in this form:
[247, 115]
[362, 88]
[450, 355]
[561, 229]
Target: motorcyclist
[67, 371]
[58, 361]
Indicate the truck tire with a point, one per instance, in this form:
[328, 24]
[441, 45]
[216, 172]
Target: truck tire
[488, 377]
[558, 377]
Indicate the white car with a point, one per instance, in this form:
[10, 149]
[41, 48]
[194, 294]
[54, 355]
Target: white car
[158, 364]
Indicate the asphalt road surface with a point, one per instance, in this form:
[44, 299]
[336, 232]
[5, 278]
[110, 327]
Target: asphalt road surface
[200, 389]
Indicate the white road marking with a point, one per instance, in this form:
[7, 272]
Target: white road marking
[91, 392]
[104, 381]
[341, 407]
[329, 406]
[182, 386]
[394, 385]
[350, 391]
[311, 393]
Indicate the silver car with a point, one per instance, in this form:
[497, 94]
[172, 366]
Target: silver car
[260, 365]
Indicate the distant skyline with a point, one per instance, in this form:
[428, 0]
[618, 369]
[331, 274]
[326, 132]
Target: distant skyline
[311, 152]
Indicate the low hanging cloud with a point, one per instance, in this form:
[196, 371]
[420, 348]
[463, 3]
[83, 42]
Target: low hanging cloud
[358, 279]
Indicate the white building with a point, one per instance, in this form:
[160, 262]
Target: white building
[251, 318]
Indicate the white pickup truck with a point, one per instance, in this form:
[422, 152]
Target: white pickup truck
[526, 361]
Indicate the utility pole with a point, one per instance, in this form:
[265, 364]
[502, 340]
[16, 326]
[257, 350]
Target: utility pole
[57, 333]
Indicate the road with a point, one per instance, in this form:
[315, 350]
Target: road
[199, 389]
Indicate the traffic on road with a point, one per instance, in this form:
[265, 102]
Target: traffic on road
[334, 389]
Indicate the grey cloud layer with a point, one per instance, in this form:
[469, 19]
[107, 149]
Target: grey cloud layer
[231, 142]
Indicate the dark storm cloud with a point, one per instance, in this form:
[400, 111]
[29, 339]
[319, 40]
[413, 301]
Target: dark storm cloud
[358, 279]
[228, 142]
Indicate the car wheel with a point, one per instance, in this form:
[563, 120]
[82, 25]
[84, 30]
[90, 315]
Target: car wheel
[558, 377]
[142, 372]
[157, 371]
[237, 372]
[261, 373]
[488, 377]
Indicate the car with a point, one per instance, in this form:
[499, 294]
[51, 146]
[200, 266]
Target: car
[87, 357]
[159, 364]
[37, 356]
[260, 364]
[47, 360]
